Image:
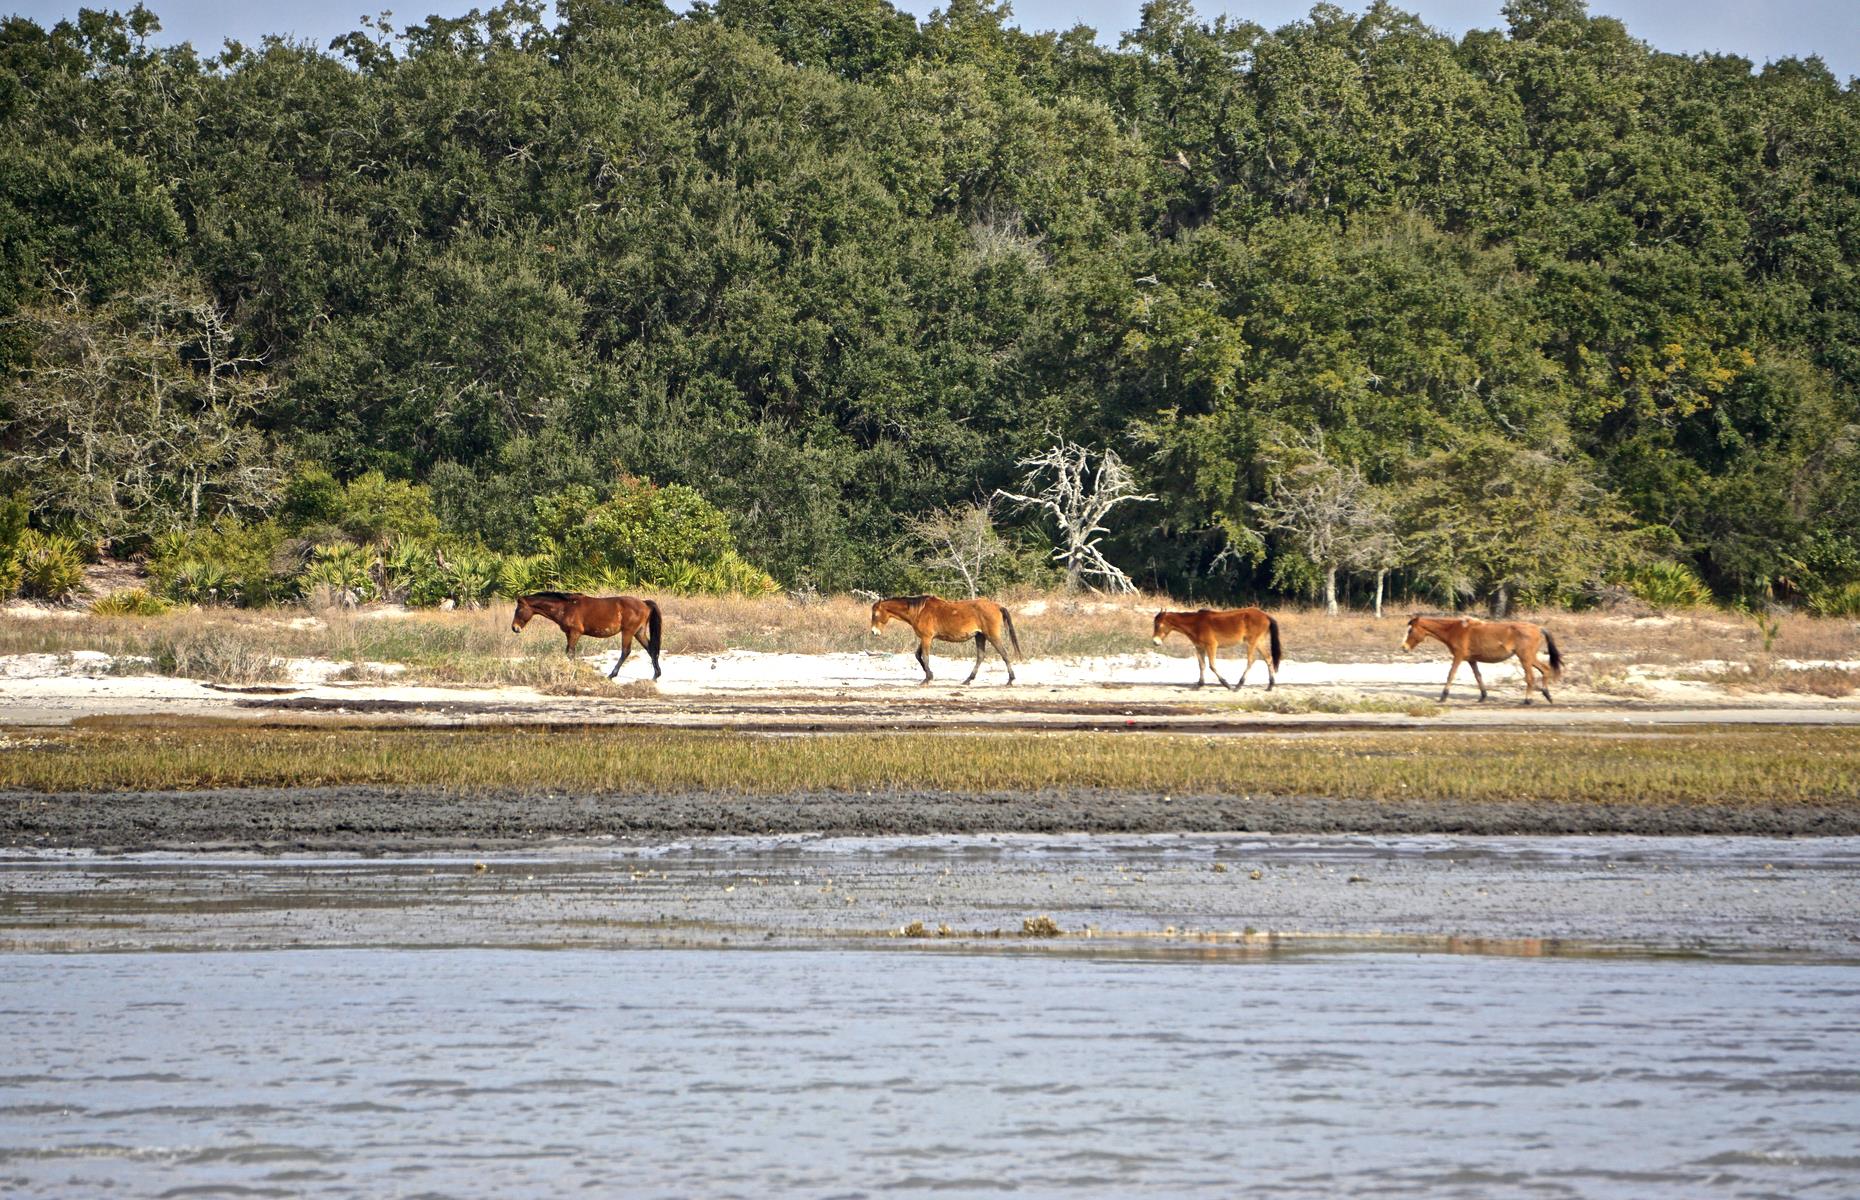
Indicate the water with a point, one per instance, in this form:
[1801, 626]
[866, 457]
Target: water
[833, 1072]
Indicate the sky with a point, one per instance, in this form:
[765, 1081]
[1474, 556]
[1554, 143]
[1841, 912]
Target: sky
[1757, 29]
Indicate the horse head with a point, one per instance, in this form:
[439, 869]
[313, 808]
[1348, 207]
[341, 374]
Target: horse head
[1415, 633]
[1157, 628]
[525, 610]
[881, 613]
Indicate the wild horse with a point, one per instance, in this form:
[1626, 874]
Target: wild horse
[1473, 641]
[933, 618]
[1210, 629]
[581, 616]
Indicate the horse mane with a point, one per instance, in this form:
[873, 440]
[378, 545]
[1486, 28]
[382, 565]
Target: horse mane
[551, 596]
[912, 601]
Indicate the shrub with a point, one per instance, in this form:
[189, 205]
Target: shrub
[470, 577]
[312, 497]
[376, 509]
[1669, 585]
[596, 581]
[409, 570]
[229, 563]
[371, 508]
[196, 582]
[1843, 601]
[521, 574]
[644, 538]
[731, 575]
[133, 602]
[51, 566]
[349, 570]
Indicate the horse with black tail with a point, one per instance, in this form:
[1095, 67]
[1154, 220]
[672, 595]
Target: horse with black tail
[579, 616]
[1209, 629]
[934, 619]
[1472, 641]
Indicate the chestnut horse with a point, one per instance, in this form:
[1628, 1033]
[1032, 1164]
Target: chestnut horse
[1210, 629]
[582, 616]
[933, 618]
[1473, 641]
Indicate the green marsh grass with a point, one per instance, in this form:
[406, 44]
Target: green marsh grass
[1719, 766]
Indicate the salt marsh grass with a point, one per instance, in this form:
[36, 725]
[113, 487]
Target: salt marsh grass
[1720, 766]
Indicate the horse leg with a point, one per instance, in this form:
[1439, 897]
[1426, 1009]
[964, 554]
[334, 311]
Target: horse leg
[1215, 666]
[626, 648]
[981, 639]
[1246, 670]
[574, 635]
[1201, 666]
[1451, 672]
[1002, 651]
[923, 658]
[1480, 680]
[1531, 664]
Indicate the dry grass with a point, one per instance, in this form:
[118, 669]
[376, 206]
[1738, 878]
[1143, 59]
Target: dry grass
[1743, 766]
[1768, 676]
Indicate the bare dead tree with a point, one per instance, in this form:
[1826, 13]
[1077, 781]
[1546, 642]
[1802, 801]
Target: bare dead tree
[1063, 481]
[1323, 507]
[959, 542]
[1376, 543]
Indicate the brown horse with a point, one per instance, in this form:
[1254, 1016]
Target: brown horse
[1473, 641]
[1210, 629]
[933, 618]
[582, 616]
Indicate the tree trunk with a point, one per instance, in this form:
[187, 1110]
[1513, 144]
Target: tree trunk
[1381, 573]
[1330, 590]
[1501, 602]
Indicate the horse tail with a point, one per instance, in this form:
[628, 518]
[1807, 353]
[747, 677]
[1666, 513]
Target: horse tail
[655, 626]
[1272, 627]
[1007, 618]
[1556, 659]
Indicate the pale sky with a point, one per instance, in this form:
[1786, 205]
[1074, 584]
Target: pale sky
[1758, 31]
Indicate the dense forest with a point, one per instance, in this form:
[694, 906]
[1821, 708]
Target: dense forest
[1534, 313]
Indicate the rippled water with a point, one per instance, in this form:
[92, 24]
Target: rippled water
[343, 1072]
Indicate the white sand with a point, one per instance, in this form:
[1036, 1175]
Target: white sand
[56, 688]
[747, 670]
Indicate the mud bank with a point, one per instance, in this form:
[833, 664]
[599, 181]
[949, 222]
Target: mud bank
[381, 820]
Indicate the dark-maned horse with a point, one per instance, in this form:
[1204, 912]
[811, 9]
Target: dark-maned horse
[1210, 629]
[582, 616]
[933, 618]
[1474, 641]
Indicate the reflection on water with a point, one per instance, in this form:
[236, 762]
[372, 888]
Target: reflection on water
[499, 1072]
